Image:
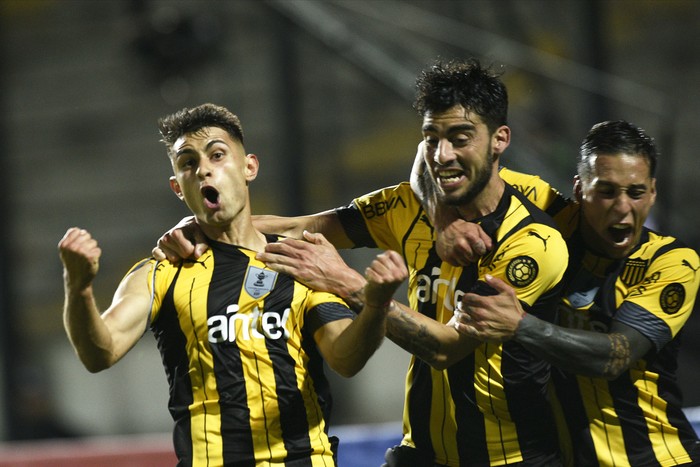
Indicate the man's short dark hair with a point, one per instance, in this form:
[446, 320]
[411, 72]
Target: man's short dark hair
[191, 120]
[614, 138]
[466, 83]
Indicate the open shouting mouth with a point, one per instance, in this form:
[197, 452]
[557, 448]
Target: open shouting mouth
[211, 197]
[620, 233]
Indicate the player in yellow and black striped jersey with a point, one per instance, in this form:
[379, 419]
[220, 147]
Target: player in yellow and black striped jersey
[468, 403]
[627, 411]
[490, 408]
[243, 346]
[635, 418]
[246, 377]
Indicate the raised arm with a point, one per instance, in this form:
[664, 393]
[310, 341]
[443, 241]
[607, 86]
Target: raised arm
[186, 240]
[99, 340]
[326, 223]
[347, 345]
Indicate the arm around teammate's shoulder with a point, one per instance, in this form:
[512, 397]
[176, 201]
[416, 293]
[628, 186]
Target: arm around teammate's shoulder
[346, 344]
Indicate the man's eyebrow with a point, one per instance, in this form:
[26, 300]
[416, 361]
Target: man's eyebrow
[608, 183]
[216, 141]
[452, 129]
[184, 151]
[189, 150]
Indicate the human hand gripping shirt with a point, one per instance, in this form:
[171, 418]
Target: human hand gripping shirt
[246, 378]
[636, 418]
[491, 407]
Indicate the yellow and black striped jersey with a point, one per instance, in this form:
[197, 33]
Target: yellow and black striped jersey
[635, 419]
[246, 378]
[491, 408]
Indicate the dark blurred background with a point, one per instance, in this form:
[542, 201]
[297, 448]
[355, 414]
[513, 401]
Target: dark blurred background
[324, 90]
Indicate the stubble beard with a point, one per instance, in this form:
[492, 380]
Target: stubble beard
[481, 179]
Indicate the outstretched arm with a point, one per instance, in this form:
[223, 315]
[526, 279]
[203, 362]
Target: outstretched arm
[186, 239]
[588, 353]
[99, 340]
[317, 263]
[347, 344]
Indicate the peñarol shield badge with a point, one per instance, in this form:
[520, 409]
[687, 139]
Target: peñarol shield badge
[259, 282]
[634, 271]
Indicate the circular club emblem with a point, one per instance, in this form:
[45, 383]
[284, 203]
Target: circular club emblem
[521, 271]
[672, 298]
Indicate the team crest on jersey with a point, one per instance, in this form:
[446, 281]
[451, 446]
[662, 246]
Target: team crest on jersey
[259, 282]
[522, 271]
[634, 271]
[672, 298]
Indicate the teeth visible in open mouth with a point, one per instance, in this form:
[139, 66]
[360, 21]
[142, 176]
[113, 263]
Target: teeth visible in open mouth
[620, 232]
[450, 177]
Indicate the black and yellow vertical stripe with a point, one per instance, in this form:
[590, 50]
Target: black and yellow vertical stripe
[246, 379]
[491, 408]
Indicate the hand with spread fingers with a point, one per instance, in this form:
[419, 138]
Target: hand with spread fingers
[492, 317]
[315, 262]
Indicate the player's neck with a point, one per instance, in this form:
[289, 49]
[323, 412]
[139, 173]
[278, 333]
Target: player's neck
[240, 233]
[485, 202]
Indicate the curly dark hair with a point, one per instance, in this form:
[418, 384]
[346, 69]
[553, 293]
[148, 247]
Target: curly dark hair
[192, 120]
[614, 138]
[467, 83]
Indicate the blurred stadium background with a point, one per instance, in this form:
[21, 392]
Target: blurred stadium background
[324, 90]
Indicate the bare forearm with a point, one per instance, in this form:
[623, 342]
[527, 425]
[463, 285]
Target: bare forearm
[435, 343]
[432, 342]
[402, 327]
[359, 341]
[412, 335]
[86, 331]
[326, 223]
[585, 353]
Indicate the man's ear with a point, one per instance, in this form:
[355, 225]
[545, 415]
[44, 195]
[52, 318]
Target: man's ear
[251, 167]
[176, 188]
[501, 139]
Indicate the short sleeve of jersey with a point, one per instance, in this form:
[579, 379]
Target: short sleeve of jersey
[329, 301]
[324, 308]
[377, 219]
[154, 286]
[325, 313]
[662, 302]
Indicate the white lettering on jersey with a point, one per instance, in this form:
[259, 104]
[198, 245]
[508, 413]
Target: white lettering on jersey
[431, 287]
[232, 326]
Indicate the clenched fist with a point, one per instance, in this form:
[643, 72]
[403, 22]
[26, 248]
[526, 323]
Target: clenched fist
[80, 255]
